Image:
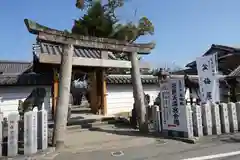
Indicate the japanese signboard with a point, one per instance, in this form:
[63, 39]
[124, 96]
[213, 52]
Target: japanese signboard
[207, 76]
[165, 103]
[173, 101]
[177, 94]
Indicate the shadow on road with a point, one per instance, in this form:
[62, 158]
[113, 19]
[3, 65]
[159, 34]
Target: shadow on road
[126, 130]
[123, 129]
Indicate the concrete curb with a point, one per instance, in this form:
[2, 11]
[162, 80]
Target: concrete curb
[38, 156]
[235, 138]
[186, 140]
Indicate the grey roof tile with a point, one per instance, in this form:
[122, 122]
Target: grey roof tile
[41, 79]
[19, 73]
[13, 74]
[55, 49]
[215, 47]
[126, 79]
[235, 73]
[25, 79]
[14, 67]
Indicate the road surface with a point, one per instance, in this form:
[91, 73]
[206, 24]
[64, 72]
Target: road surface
[171, 150]
[113, 143]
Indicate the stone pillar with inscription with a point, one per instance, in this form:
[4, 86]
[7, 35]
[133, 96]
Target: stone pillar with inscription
[238, 114]
[34, 127]
[216, 119]
[42, 129]
[197, 120]
[28, 133]
[13, 119]
[189, 119]
[156, 118]
[224, 118]
[207, 119]
[233, 122]
[159, 119]
[1, 132]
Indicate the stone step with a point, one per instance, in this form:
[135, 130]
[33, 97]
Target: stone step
[87, 126]
[92, 123]
[96, 123]
[80, 110]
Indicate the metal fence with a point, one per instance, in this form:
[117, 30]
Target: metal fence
[23, 136]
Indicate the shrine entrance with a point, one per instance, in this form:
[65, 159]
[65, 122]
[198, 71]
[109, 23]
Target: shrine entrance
[87, 85]
[91, 55]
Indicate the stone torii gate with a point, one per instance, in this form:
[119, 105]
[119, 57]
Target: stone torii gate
[69, 41]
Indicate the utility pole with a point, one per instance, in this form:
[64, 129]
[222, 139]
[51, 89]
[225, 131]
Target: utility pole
[63, 99]
[138, 92]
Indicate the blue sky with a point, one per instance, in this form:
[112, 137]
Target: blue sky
[184, 29]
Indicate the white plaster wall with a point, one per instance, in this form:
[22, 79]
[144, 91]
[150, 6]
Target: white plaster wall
[10, 96]
[194, 95]
[120, 97]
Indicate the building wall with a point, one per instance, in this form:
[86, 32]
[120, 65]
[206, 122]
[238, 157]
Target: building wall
[10, 96]
[223, 92]
[120, 97]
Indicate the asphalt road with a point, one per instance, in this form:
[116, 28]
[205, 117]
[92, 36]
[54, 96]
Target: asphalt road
[231, 158]
[237, 157]
[173, 150]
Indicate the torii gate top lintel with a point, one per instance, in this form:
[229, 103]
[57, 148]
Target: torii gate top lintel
[64, 37]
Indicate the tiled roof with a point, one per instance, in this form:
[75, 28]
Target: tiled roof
[13, 74]
[19, 73]
[25, 79]
[55, 49]
[40, 79]
[222, 51]
[126, 79]
[13, 67]
[235, 73]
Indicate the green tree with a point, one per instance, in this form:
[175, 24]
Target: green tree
[101, 20]
[94, 23]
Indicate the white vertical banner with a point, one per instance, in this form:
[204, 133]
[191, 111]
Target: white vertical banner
[207, 68]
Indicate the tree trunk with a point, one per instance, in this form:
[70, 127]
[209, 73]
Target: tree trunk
[138, 93]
